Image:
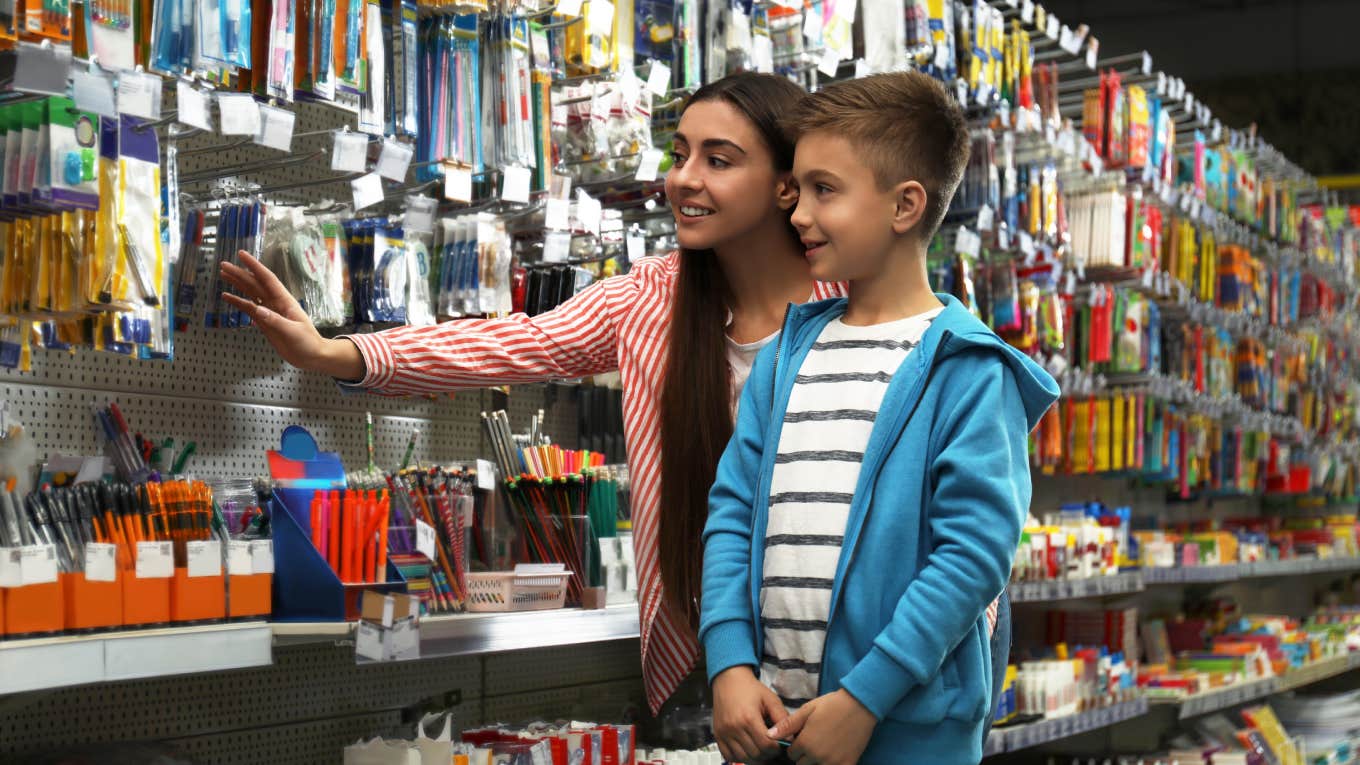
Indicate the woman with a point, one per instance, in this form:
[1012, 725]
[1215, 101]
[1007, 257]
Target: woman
[723, 296]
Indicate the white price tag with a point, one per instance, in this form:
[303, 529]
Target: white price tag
[986, 219]
[276, 128]
[557, 215]
[968, 243]
[1027, 11]
[588, 211]
[557, 247]
[961, 91]
[812, 24]
[41, 68]
[636, 247]
[425, 544]
[1053, 26]
[486, 475]
[659, 79]
[515, 181]
[93, 92]
[140, 95]
[350, 152]
[239, 113]
[739, 31]
[262, 556]
[155, 560]
[191, 106]
[1026, 244]
[368, 191]
[38, 564]
[11, 574]
[1092, 48]
[101, 562]
[942, 54]
[600, 18]
[569, 8]
[457, 183]
[648, 165]
[204, 558]
[420, 211]
[831, 61]
[238, 558]
[395, 160]
[861, 68]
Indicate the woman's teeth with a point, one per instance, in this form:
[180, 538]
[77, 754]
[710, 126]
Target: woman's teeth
[694, 212]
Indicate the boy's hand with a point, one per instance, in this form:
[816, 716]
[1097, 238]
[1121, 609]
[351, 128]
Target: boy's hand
[742, 705]
[829, 730]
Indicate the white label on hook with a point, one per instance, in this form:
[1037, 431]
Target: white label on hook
[636, 247]
[1027, 11]
[569, 8]
[648, 165]
[1026, 244]
[600, 18]
[425, 544]
[192, 106]
[515, 183]
[846, 9]
[350, 154]
[1092, 49]
[659, 78]
[557, 215]
[831, 61]
[395, 160]
[368, 190]
[101, 562]
[276, 128]
[942, 54]
[42, 68]
[139, 95]
[240, 114]
[1053, 26]
[238, 558]
[812, 24]
[588, 211]
[93, 92]
[968, 243]
[557, 247]
[986, 218]
[457, 183]
[861, 68]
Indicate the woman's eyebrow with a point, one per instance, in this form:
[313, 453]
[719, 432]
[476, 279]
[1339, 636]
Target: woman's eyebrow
[721, 143]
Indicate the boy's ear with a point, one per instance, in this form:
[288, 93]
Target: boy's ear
[910, 199]
[786, 192]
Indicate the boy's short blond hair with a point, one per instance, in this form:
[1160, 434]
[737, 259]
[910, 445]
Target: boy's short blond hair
[905, 125]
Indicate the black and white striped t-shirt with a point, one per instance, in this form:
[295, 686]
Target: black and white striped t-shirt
[825, 432]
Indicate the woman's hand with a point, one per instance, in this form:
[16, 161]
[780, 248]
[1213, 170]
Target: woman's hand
[742, 705]
[285, 325]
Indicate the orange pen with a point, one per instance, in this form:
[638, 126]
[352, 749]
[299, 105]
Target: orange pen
[316, 519]
[333, 546]
[385, 515]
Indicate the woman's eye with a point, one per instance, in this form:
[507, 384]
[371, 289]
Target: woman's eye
[677, 158]
[718, 162]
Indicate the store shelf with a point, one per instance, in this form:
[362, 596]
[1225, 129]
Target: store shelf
[1046, 731]
[1095, 587]
[473, 634]
[1242, 693]
[1236, 571]
[28, 665]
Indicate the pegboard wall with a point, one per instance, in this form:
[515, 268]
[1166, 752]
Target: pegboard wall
[315, 700]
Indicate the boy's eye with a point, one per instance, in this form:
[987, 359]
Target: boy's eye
[822, 188]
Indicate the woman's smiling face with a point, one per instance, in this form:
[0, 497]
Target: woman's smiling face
[724, 182]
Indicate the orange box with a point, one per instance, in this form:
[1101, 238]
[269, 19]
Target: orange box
[249, 595]
[35, 609]
[92, 605]
[2, 611]
[194, 599]
[145, 601]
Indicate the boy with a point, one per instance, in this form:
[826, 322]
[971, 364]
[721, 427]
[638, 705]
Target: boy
[868, 507]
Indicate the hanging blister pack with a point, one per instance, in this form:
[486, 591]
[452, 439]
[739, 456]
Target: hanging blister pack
[67, 178]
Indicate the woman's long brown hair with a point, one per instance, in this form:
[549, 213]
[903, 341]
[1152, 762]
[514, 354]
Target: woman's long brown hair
[696, 414]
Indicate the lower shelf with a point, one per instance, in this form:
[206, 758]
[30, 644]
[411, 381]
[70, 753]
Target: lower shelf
[1241, 693]
[1045, 731]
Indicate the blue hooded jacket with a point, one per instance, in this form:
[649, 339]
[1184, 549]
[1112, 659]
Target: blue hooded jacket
[943, 491]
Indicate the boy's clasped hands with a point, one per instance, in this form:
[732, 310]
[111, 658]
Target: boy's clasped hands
[830, 730]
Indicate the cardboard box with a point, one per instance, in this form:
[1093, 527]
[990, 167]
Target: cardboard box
[389, 627]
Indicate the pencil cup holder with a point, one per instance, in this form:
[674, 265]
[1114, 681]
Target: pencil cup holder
[197, 598]
[35, 609]
[92, 605]
[145, 601]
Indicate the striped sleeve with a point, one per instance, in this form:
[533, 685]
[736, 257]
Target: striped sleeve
[576, 339]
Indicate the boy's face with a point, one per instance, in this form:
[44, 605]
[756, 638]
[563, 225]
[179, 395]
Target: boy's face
[847, 224]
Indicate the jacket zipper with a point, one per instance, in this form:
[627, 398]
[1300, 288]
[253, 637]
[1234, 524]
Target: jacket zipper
[930, 373]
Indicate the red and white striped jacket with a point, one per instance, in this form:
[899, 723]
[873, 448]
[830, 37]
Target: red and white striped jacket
[621, 323]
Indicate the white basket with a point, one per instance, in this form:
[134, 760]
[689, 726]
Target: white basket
[508, 591]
